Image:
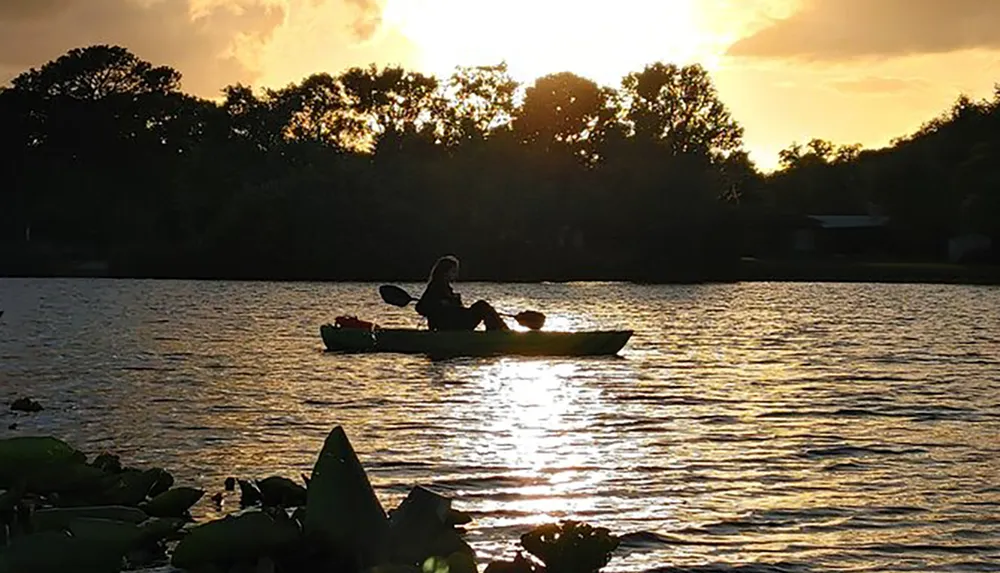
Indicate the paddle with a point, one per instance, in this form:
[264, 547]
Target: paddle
[396, 296]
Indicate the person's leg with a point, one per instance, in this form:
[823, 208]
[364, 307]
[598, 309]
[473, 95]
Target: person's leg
[483, 312]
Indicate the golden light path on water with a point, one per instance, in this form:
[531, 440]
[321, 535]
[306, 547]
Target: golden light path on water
[774, 427]
[532, 432]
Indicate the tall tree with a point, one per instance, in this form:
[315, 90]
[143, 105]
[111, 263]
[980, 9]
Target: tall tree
[318, 111]
[97, 72]
[100, 122]
[679, 108]
[392, 100]
[480, 101]
[565, 112]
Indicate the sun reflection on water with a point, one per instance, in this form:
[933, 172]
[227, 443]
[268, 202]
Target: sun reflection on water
[540, 427]
[816, 426]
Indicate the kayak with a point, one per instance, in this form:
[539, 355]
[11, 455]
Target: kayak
[474, 343]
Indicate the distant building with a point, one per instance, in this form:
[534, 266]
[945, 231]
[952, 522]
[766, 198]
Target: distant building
[971, 247]
[841, 234]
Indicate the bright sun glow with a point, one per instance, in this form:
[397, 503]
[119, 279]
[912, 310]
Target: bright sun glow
[599, 40]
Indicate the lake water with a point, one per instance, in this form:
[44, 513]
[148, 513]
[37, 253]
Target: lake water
[780, 427]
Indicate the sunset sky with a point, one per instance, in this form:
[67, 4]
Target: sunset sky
[850, 71]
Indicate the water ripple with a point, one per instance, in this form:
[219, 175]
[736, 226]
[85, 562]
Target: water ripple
[747, 428]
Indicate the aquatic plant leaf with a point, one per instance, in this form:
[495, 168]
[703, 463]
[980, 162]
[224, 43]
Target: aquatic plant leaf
[37, 449]
[462, 562]
[455, 517]
[54, 519]
[71, 479]
[164, 481]
[423, 508]
[281, 491]
[342, 509]
[240, 538]
[58, 552]
[520, 564]
[43, 464]
[435, 565]
[131, 487]
[10, 498]
[419, 529]
[157, 529]
[173, 503]
[570, 547]
[110, 463]
[393, 568]
[249, 494]
[116, 535]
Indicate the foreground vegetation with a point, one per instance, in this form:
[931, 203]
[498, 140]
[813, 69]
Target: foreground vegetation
[372, 173]
[59, 512]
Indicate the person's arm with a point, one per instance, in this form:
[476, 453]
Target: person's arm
[453, 297]
[424, 304]
[437, 295]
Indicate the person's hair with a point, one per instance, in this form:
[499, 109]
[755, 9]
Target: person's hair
[442, 266]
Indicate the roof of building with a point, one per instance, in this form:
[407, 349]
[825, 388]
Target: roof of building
[849, 221]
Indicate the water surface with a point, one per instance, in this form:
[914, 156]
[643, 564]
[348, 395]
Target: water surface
[780, 427]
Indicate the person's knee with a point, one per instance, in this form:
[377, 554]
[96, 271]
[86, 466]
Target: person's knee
[481, 305]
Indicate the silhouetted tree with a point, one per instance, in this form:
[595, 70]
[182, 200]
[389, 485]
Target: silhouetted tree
[376, 171]
[565, 113]
[480, 101]
[392, 102]
[679, 108]
[96, 73]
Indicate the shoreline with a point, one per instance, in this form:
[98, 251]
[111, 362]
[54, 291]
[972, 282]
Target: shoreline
[747, 270]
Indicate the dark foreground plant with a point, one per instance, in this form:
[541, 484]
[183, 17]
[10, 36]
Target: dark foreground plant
[60, 513]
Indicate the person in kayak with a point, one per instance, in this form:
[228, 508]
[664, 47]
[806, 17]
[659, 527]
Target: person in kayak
[443, 307]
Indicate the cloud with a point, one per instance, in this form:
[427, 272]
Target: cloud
[212, 46]
[29, 9]
[850, 29]
[876, 85]
[370, 19]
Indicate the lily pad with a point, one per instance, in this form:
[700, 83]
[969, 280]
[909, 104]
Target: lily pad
[72, 480]
[131, 487]
[233, 539]
[55, 519]
[58, 552]
[117, 535]
[164, 481]
[40, 462]
[158, 529]
[107, 462]
[173, 503]
[281, 491]
[249, 494]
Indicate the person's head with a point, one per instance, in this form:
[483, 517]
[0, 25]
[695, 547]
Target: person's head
[446, 268]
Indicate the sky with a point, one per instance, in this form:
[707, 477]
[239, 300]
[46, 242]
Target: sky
[850, 71]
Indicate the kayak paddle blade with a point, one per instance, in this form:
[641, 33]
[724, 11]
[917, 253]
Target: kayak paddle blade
[394, 295]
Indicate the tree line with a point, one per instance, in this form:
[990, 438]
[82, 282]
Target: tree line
[941, 181]
[374, 172]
